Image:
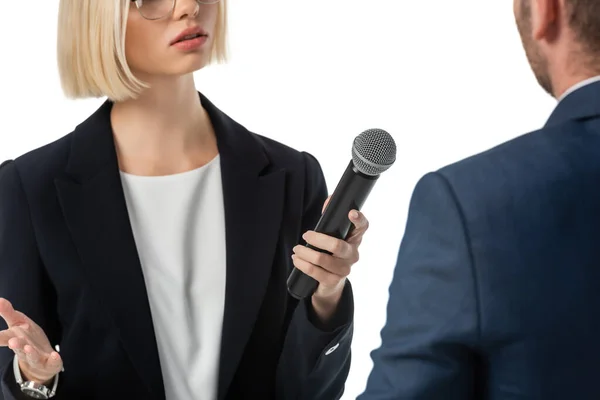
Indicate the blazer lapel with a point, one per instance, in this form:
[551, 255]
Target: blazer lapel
[95, 211]
[254, 197]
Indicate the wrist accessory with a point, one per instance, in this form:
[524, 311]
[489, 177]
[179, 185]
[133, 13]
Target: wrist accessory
[33, 389]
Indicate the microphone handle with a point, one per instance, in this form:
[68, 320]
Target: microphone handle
[350, 194]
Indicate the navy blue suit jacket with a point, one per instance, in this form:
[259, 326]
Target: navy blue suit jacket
[68, 260]
[496, 291]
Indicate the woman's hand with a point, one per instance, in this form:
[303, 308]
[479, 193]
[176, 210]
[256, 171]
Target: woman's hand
[37, 360]
[330, 270]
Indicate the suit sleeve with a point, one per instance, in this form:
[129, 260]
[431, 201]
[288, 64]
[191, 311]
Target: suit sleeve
[316, 358]
[22, 280]
[429, 342]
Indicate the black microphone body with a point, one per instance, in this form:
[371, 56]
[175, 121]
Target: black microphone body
[350, 194]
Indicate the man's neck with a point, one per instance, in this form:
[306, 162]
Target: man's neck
[577, 84]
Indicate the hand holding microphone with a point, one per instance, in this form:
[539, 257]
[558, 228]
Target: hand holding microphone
[328, 260]
[332, 248]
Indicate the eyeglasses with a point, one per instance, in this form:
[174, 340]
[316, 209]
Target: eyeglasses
[157, 9]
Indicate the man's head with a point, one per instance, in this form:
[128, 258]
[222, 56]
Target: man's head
[561, 39]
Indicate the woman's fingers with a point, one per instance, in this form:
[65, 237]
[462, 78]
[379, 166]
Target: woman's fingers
[37, 360]
[5, 336]
[32, 356]
[35, 365]
[54, 362]
[17, 344]
[10, 315]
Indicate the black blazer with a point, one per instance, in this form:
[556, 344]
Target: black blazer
[68, 260]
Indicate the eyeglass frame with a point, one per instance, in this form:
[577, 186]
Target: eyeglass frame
[139, 3]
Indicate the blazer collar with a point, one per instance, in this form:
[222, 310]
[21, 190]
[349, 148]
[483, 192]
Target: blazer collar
[580, 104]
[96, 214]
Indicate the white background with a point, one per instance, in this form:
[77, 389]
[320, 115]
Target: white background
[447, 79]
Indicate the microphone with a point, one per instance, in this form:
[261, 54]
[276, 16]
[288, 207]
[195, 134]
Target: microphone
[373, 152]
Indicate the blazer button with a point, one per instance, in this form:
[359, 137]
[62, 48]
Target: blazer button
[331, 350]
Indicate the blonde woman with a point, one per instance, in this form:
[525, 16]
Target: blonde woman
[145, 254]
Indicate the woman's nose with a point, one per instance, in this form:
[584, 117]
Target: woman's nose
[185, 9]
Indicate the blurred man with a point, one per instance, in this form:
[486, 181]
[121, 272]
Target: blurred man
[496, 293]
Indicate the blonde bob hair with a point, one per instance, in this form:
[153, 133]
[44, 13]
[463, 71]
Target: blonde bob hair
[91, 49]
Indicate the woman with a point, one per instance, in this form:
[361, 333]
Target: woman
[153, 242]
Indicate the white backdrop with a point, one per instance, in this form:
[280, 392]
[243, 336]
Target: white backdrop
[447, 79]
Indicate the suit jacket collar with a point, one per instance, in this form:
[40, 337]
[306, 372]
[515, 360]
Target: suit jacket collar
[581, 104]
[96, 214]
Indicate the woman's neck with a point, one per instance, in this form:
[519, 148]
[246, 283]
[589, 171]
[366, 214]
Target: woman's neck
[165, 131]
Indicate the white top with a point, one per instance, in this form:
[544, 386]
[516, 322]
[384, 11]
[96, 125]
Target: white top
[579, 85]
[178, 223]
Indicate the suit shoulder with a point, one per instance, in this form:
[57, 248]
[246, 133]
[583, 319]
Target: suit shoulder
[284, 156]
[549, 160]
[47, 153]
[303, 168]
[535, 150]
[507, 151]
[41, 165]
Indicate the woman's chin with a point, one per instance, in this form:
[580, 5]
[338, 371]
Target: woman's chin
[180, 69]
[189, 65]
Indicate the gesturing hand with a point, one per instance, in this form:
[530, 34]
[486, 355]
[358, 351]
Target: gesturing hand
[37, 360]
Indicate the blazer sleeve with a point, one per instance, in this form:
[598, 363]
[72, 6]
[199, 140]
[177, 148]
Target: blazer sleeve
[428, 347]
[316, 358]
[22, 280]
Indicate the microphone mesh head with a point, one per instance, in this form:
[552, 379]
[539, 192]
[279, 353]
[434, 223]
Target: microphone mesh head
[373, 152]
